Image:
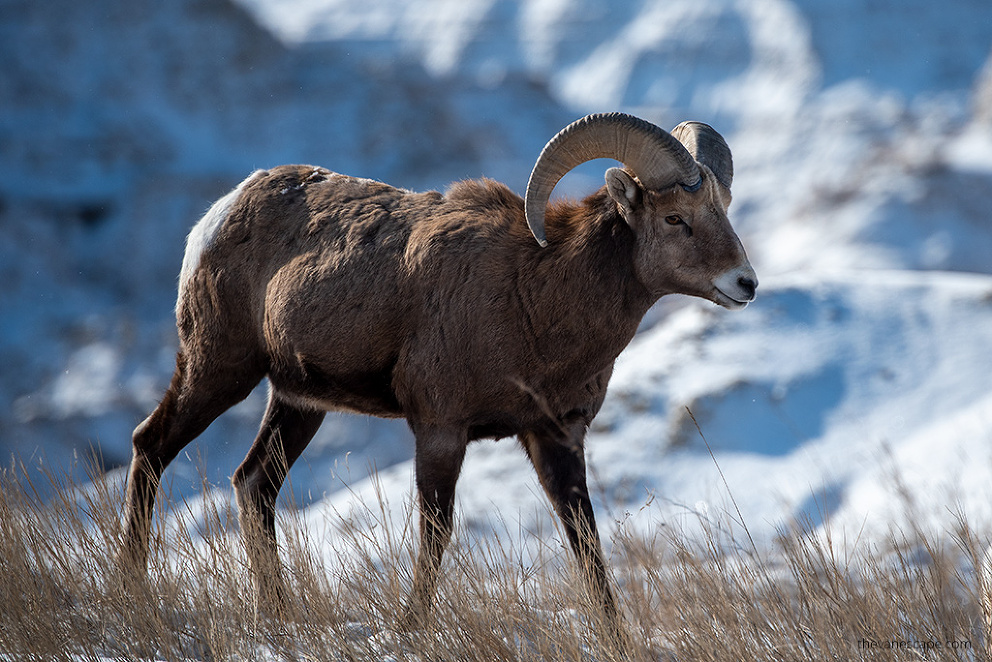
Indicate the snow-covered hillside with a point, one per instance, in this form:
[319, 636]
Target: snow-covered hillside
[862, 137]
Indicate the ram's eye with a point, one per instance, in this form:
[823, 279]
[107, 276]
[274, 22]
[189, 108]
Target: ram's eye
[674, 219]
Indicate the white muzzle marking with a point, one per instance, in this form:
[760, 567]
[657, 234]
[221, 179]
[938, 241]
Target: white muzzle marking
[735, 288]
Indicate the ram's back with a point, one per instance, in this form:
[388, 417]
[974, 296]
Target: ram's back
[348, 285]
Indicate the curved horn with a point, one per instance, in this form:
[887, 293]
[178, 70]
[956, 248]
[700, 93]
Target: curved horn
[709, 148]
[657, 158]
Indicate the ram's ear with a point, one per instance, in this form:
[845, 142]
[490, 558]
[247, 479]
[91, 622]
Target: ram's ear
[626, 193]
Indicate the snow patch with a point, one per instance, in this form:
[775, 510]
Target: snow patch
[862, 139]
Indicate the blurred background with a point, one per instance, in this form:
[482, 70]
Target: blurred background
[862, 139]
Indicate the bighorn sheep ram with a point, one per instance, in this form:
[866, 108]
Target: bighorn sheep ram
[352, 295]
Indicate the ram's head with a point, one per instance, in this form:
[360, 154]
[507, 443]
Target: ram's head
[673, 193]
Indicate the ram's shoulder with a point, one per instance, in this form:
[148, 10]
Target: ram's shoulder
[484, 193]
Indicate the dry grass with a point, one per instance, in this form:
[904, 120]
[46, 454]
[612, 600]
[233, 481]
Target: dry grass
[701, 597]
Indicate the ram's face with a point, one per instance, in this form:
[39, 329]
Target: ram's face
[685, 243]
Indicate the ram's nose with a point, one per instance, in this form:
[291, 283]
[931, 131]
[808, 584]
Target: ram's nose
[748, 285]
[735, 288]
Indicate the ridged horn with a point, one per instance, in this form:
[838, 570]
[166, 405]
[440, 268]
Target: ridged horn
[709, 148]
[653, 154]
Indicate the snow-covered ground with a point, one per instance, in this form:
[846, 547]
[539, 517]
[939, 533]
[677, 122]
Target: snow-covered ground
[862, 137]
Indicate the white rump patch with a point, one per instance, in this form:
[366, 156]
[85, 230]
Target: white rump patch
[203, 233]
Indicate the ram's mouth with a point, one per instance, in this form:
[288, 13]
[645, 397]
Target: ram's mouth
[722, 298]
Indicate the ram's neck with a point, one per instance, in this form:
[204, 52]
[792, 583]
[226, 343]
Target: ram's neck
[591, 300]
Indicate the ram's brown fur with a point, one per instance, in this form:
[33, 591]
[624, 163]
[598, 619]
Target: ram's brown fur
[437, 307]
[353, 295]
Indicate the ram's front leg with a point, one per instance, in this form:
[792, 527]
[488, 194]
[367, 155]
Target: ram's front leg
[438, 463]
[558, 456]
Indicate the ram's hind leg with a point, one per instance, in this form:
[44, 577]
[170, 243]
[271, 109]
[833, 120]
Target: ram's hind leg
[196, 396]
[285, 432]
[438, 462]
